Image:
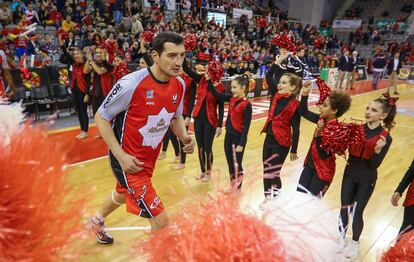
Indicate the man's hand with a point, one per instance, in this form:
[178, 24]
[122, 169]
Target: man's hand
[130, 164]
[188, 145]
[187, 121]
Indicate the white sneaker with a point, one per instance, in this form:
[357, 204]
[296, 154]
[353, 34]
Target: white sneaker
[352, 249]
[341, 245]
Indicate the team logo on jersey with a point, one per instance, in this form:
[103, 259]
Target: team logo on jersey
[113, 93]
[150, 93]
[174, 97]
[155, 128]
[155, 203]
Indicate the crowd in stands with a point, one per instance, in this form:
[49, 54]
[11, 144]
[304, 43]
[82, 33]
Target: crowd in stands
[241, 47]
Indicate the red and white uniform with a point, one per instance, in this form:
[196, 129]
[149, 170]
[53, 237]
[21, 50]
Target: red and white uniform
[141, 108]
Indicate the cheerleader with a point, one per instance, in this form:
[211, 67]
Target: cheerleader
[237, 125]
[120, 68]
[102, 76]
[408, 179]
[79, 86]
[206, 122]
[282, 124]
[319, 166]
[361, 170]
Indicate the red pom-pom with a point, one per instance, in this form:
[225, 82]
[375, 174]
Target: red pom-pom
[215, 231]
[111, 47]
[190, 42]
[324, 90]
[120, 70]
[62, 34]
[356, 133]
[37, 218]
[284, 41]
[335, 137]
[403, 250]
[215, 70]
[148, 36]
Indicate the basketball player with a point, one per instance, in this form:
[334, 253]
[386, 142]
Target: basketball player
[142, 106]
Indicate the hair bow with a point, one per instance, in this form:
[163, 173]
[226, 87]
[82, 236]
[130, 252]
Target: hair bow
[324, 90]
[390, 100]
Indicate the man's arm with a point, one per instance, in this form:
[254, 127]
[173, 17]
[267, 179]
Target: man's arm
[178, 128]
[108, 135]
[113, 105]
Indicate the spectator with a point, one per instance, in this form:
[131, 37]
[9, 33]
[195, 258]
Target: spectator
[18, 14]
[118, 10]
[54, 17]
[68, 25]
[352, 70]
[394, 66]
[43, 14]
[136, 27]
[343, 66]
[6, 16]
[88, 40]
[32, 15]
[16, 4]
[48, 46]
[71, 42]
[378, 69]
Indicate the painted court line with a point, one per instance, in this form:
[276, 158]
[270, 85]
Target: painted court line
[87, 161]
[127, 228]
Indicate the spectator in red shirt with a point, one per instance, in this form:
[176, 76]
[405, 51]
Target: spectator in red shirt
[54, 17]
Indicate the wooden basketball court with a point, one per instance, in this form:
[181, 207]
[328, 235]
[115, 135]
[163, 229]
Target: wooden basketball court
[382, 220]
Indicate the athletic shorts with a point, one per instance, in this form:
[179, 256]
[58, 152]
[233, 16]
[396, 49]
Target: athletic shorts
[141, 197]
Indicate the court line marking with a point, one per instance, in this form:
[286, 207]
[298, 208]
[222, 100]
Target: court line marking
[127, 228]
[66, 129]
[253, 120]
[87, 161]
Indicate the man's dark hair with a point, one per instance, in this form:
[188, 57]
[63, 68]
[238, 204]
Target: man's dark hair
[165, 37]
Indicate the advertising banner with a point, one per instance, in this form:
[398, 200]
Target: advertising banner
[346, 23]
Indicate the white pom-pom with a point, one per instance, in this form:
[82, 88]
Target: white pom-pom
[10, 118]
[306, 224]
